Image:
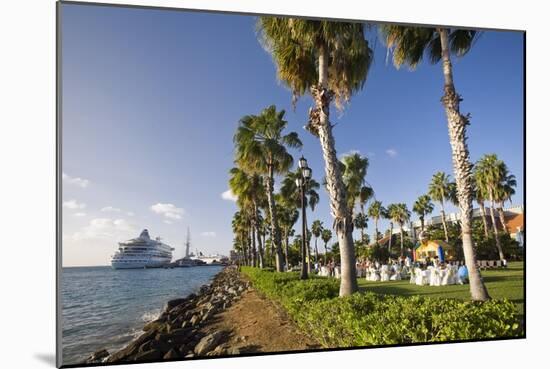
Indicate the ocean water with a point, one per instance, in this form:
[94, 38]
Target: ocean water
[106, 308]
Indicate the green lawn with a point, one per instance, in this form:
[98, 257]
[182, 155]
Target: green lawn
[501, 283]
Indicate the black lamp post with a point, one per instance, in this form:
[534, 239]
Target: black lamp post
[301, 182]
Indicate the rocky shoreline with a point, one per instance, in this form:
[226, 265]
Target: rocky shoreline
[176, 333]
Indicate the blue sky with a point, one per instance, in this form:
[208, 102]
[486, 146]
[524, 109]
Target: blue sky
[151, 99]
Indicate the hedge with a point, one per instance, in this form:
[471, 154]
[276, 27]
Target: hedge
[365, 319]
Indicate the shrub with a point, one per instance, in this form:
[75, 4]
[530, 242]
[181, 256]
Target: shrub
[365, 319]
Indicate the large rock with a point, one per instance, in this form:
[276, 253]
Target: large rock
[208, 343]
[148, 355]
[171, 355]
[173, 303]
[98, 356]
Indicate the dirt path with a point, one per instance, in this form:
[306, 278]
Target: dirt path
[255, 324]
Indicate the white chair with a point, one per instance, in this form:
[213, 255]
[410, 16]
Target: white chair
[435, 277]
[384, 273]
[324, 271]
[422, 276]
[337, 272]
[412, 279]
[445, 274]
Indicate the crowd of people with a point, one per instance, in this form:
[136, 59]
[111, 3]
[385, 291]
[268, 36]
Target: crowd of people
[430, 271]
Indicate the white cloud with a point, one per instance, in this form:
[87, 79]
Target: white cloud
[169, 211]
[208, 234]
[79, 214]
[77, 181]
[105, 228]
[130, 214]
[73, 205]
[110, 209]
[229, 195]
[168, 221]
[392, 153]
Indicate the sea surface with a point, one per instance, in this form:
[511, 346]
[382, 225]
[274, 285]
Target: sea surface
[106, 308]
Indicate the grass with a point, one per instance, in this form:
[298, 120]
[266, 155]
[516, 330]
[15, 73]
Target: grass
[501, 283]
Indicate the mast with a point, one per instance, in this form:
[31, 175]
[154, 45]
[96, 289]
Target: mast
[187, 243]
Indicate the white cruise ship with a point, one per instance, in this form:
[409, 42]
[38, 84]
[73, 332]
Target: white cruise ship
[142, 252]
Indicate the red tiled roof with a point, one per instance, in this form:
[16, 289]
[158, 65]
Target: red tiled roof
[513, 222]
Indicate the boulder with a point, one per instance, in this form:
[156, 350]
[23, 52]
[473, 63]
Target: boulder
[98, 356]
[207, 343]
[233, 351]
[171, 355]
[148, 355]
[194, 320]
[173, 303]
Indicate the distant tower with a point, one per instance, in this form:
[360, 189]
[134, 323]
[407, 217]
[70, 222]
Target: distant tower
[187, 243]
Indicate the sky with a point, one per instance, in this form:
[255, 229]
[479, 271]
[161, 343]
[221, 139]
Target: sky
[151, 100]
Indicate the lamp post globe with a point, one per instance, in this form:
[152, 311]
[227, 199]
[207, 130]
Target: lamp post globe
[302, 163]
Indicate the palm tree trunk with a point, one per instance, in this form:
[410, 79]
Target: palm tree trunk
[254, 251]
[502, 218]
[259, 237]
[495, 230]
[401, 234]
[275, 234]
[422, 223]
[484, 219]
[376, 230]
[342, 221]
[286, 246]
[316, 252]
[326, 254]
[444, 219]
[462, 169]
[391, 237]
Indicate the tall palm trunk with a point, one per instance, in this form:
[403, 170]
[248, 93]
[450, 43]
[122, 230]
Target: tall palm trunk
[462, 169]
[484, 219]
[342, 221]
[401, 234]
[391, 237]
[316, 252]
[444, 219]
[254, 251]
[502, 218]
[421, 223]
[286, 246]
[275, 234]
[376, 230]
[258, 237]
[326, 254]
[495, 230]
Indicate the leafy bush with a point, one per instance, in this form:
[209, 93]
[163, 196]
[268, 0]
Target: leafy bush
[365, 319]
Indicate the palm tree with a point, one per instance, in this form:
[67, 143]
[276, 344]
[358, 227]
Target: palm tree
[288, 216]
[261, 147]
[292, 195]
[316, 230]
[409, 45]
[361, 221]
[404, 217]
[326, 235]
[355, 171]
[492, 176]
[331, 61]
[249, 191]
[439, 190]
[504, 193]
[376, 211]
[392, 214]
[423, 206]
[480, 197]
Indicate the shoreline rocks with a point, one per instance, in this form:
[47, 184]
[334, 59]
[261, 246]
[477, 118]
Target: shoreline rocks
[176, 333]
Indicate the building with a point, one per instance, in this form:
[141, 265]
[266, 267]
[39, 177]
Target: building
[513, 221]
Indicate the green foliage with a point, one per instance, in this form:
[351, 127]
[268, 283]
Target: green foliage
[364, 319]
